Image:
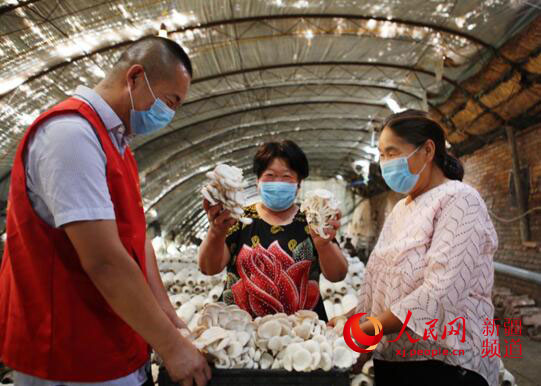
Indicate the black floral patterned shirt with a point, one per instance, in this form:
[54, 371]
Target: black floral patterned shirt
[294, 238]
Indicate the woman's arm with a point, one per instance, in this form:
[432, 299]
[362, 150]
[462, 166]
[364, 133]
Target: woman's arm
[331, 260]
[213, 252]
[389, 322]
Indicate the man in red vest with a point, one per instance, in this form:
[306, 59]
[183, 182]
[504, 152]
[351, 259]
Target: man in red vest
[81, 297]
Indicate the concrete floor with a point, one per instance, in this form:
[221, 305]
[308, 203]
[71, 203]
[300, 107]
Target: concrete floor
[526, 370]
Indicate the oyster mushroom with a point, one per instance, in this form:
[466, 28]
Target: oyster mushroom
[320, 207]
[210, 336]
[234, 350]
[226, 186]
[266, 361]
[312, 346]
[275, 344]
[302, 331]
[269, 329]
[326, 361]
[316, 360]
[302, 359]
[221, 344]
[287, 362]
[276, 364]
[243, 338]
[342, 357]
[257, 355]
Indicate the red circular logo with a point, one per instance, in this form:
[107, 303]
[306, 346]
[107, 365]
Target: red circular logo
[352, 330]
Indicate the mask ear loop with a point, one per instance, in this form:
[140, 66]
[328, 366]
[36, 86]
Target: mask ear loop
[424, 166]
[148, 84]
[131, 98]
[415, 151]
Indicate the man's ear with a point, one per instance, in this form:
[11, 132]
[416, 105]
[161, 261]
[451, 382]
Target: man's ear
[133, 73]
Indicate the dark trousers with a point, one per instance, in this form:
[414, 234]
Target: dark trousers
[424, 373]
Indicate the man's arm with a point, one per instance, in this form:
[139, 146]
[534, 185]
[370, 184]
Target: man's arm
[118, 278]
[158, 289]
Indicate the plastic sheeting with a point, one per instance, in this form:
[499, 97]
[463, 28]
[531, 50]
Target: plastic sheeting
[314, 71]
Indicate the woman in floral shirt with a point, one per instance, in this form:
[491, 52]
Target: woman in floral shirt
[278, 232]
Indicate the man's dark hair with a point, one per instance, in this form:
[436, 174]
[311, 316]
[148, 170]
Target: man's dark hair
[286, 150]
[157, 55]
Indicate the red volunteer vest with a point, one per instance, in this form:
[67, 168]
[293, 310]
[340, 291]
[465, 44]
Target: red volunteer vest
[54, 323]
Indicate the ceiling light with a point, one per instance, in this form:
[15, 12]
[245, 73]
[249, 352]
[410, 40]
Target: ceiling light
[309, 34]
[393, 105]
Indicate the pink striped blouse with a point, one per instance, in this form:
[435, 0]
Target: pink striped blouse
[434, 258]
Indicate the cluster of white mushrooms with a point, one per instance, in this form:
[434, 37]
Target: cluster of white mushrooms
[320, 207]
[299, 342]
[226, 186]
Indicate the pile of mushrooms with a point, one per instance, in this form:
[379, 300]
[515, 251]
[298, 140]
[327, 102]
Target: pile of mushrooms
[301, 342]
[320, 207]
[226, 186]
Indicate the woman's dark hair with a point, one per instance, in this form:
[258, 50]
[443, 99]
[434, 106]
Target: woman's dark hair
[287, 150]
[416, 127]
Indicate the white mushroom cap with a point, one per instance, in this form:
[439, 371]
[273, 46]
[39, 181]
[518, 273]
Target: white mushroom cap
[302, 359]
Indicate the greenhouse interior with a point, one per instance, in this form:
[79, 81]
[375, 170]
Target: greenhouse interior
[270, 192]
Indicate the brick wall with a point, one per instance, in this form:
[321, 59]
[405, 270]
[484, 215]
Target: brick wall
[488, 170]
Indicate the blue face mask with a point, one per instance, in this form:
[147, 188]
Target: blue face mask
[278, 196]
[148, 121]
[397, 175]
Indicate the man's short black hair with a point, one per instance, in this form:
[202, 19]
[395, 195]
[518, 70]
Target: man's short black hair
[286, 150]
[156, 55]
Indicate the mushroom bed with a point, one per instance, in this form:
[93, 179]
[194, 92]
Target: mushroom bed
[292, 344]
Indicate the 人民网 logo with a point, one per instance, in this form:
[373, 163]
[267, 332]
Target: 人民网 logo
[352, 331]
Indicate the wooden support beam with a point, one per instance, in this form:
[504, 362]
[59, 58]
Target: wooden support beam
[522, 200]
